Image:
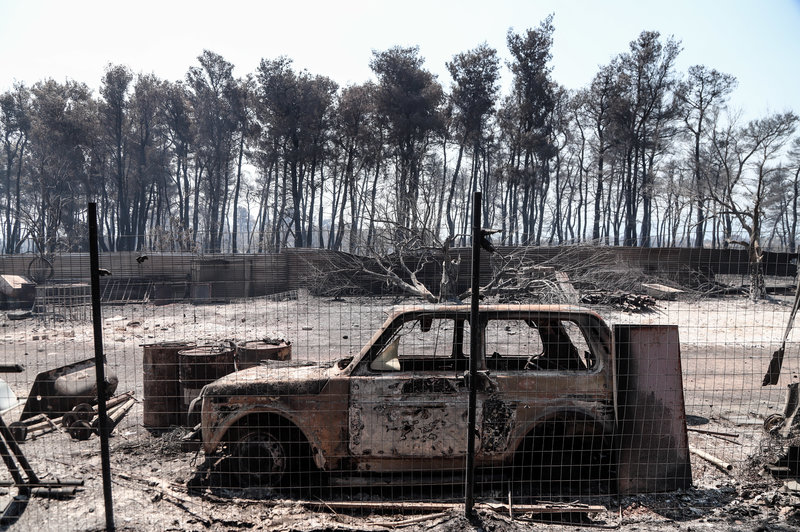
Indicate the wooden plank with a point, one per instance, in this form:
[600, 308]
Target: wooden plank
[422, 507]
[566, 286]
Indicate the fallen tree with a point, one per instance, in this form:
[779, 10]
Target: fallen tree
[429, 270]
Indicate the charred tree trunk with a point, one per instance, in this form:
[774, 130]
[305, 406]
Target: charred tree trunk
[235, 229]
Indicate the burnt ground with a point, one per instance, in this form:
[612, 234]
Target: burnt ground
[726, 345]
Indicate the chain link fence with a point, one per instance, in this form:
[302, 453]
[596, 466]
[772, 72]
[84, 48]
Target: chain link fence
[311, 390]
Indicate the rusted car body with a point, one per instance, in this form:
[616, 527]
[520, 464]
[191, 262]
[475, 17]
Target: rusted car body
[546, 398]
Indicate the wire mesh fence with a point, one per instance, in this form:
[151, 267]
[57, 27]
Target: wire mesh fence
[301, 389]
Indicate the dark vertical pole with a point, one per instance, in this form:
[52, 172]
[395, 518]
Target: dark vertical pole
[94, 261]
[474, 348]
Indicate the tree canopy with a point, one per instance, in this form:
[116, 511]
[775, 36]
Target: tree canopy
[644, 155]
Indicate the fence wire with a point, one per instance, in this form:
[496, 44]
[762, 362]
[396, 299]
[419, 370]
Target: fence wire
[301, 390]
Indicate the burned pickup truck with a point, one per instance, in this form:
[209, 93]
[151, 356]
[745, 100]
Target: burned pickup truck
[563, 403]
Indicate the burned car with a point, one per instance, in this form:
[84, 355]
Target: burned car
[549, 410]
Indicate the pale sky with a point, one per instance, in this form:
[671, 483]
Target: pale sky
[758, 41]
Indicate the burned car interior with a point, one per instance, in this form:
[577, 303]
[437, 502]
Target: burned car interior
[442, 343]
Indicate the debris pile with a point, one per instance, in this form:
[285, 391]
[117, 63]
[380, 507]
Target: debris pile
[80, 422]
[576, 275]
[625, 301]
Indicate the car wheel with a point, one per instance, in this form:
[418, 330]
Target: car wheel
[567, 458]
[260, 459]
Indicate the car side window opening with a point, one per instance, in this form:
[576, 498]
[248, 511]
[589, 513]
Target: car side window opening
[544, 344]
[423, 344]
[578, 339]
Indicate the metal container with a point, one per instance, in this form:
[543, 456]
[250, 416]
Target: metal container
[201, 365]
[57, 391]
[654, 444]
[252, 353]
[163, 400]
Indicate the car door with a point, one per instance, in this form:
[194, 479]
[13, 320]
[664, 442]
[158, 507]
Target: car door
[411, 400]
[545, 367]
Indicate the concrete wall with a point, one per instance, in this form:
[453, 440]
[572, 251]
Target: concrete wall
[225, 276]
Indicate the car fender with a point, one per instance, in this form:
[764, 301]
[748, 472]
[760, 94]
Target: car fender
[223, 422]
[550, 415]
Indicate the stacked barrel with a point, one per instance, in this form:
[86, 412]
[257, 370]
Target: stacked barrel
[175, 372]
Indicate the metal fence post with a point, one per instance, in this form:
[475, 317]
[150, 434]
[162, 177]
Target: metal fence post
[94, 264]
[474, 347]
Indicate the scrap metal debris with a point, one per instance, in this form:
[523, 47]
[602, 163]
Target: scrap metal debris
[722, 464]
[624, 301]
[80, 422]
[57, 391]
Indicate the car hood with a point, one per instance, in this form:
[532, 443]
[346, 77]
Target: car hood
[273, 378]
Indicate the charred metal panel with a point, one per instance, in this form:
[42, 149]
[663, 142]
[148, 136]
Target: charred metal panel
[498, 422]
[273, 378]
[429, 385]
[538, 395]
[399, 415]
[357, 418]
[322, 417]
[654, 448]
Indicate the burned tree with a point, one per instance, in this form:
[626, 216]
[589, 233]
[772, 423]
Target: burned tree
[395, 264]
[746, 161]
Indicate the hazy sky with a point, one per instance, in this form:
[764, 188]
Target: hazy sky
[758, 41]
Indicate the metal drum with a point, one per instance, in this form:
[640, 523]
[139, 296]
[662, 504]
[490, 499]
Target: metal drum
[249, 354]
[162, 395]
[201, 365]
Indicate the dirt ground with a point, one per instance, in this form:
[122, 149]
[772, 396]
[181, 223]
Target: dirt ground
[726, 346]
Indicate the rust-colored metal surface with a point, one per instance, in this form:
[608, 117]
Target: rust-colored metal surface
[201, 365]
[413, 412]
[252, 353]
[392, 409]
[654, 447]
[162, 394]
[399, 415]
[311, 397]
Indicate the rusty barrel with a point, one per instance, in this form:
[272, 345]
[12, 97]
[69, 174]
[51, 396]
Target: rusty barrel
[251, 353]
[162, 395]
[199, 366]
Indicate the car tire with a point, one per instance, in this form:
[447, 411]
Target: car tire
[261, 458]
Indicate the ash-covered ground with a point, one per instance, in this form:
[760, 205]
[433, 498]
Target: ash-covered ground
[726, 346]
